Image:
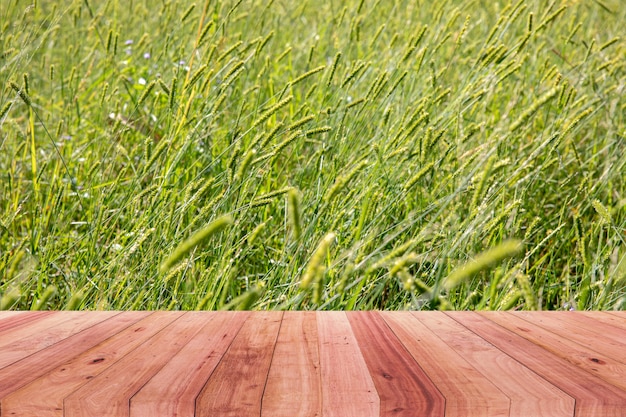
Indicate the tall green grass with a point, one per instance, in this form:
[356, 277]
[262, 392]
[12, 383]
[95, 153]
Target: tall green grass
[369, 154]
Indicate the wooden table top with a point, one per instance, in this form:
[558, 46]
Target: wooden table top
[312, 364]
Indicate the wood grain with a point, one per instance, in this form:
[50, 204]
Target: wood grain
[594, 396]
[553, 364]
[530, 394]
[619, 314]
[581, 356]
[347, 386]
[109, 393]
[466, 391]
[593, 335]
[615, 321]
[23, 341]
[236, 387]
[173, 390]
[12, 319]
[293, 387]
[113, 339]
[403, 387]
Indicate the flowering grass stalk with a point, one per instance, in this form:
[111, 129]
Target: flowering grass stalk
[434, 141]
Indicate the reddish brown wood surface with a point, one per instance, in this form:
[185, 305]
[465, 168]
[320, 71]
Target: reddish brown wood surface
[236, 387]
[109, 392]
[618, 321]
[530, 394]
[312, 364]
[347, 386]
[590, 334]
[173, 390]
[112, 340]
[462, 386]
[403, 387]
[577, 354]
[594, 396]
[293, 387]
[22, 341]
[11, 319]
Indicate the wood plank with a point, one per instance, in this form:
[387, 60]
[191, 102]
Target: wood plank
[599, 337]
[403, 387]
[173, 390]
[606, 318]
[109, 393]
[44, 396]
[12, 319]
[36, 328]
[618, 314]
[594, 396]
[236, 387]
[530, 394]
[35, 366]
[23, 341]
[581, 356]
[347, 386]
[293, 387]
[550, 364]
[465, 390]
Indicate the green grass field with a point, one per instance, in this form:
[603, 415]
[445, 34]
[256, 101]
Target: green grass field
[312, 155]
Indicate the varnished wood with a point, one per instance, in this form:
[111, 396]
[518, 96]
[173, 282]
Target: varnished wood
[347, 386]
[530, 394]
[173, 390]
[293, 387]
[462, 386]
[554, 364]
[594, 396]
[403, 387]
[577, 354]
[236, 387]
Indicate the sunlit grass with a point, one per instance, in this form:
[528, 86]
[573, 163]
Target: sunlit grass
[369, 155]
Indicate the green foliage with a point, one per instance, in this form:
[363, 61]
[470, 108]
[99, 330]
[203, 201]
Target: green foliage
[194, 240]
[465, 155]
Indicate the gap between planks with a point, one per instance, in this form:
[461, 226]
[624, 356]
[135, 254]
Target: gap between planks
[312, 364]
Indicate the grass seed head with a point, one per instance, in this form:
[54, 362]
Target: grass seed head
[307, 75]
[146, 92]
[21, 93]
[187, 12]
[315, 268]
[205, 32]
[333, 68]
[482, 261]
[293, 208]
[5, 110]
[196, 239]
[10, 299]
